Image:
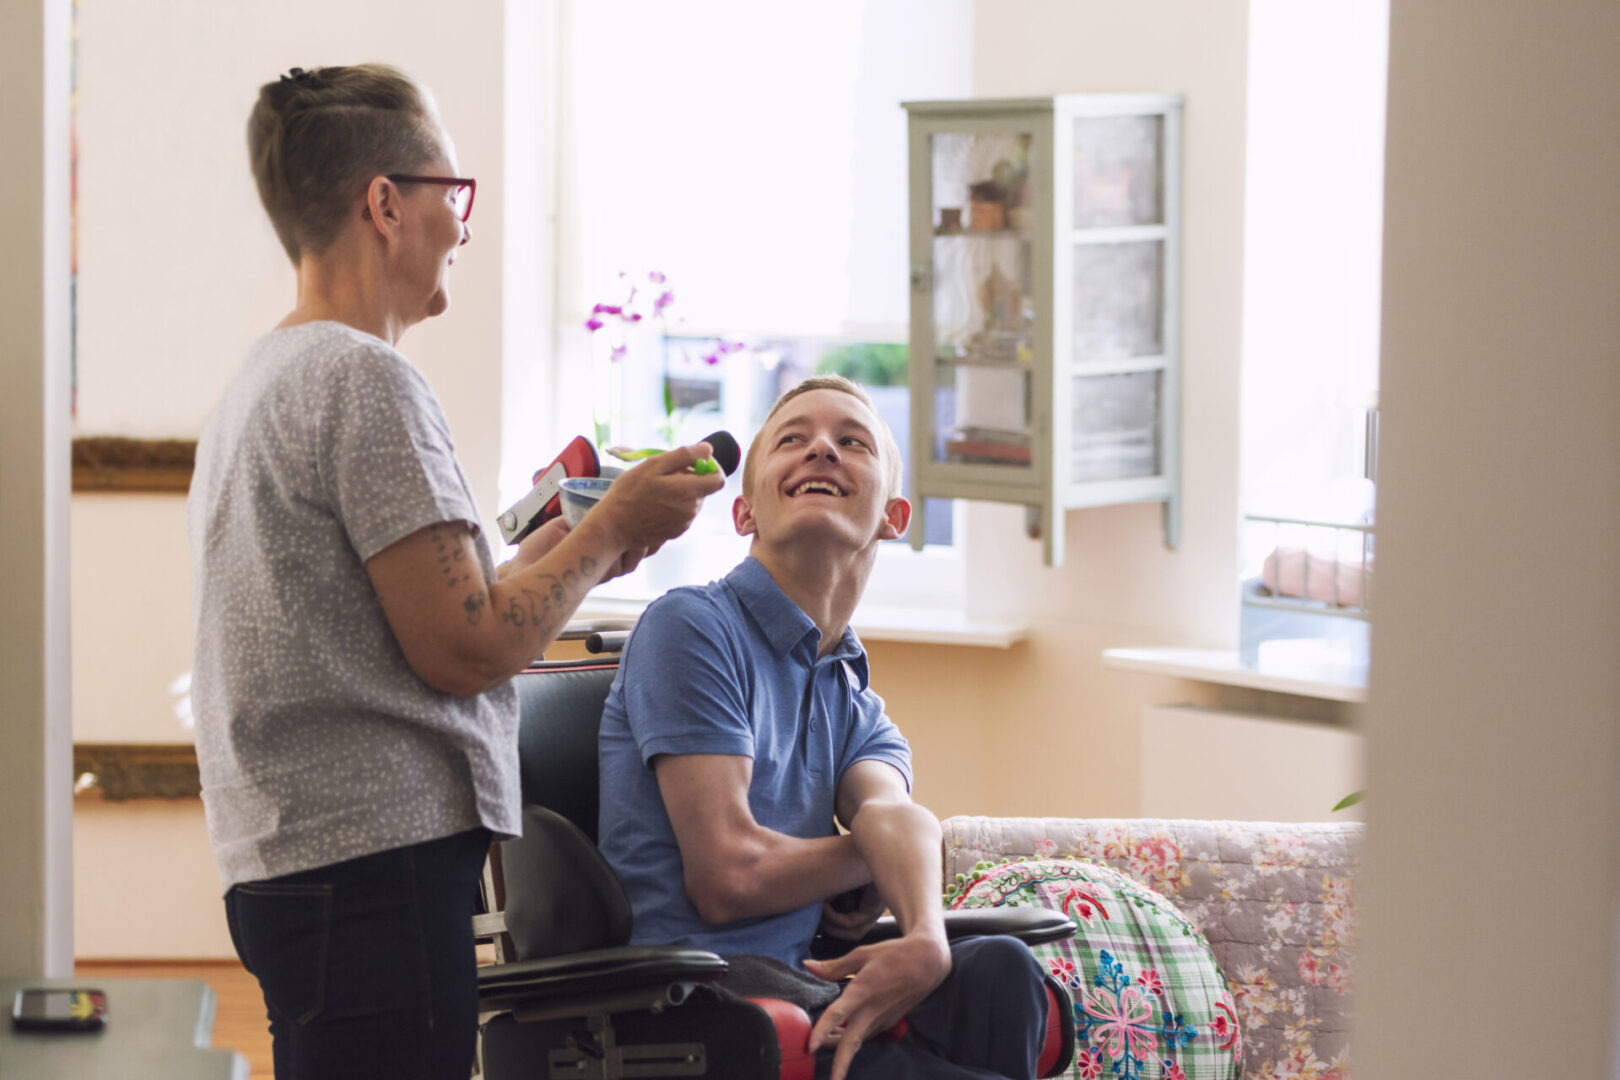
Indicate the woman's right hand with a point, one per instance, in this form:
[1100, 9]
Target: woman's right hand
[657, 500]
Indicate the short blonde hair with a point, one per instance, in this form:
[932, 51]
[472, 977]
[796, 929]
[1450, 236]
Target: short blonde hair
[889, 449]
[316, 138]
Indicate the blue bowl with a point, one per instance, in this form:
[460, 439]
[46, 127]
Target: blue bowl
[579, 494]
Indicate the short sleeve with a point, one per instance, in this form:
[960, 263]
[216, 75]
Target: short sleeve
[685, 681]
[875, 738]
[386, 459]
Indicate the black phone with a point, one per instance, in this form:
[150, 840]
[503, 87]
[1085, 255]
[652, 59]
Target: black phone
[59, 1010]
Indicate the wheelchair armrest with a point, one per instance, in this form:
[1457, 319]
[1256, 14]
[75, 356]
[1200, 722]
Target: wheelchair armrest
[1031, 925]
[587, 975]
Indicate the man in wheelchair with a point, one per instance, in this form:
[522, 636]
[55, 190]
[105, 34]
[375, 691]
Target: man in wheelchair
[742, 725]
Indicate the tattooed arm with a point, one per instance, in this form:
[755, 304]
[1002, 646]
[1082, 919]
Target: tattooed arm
[463, 634]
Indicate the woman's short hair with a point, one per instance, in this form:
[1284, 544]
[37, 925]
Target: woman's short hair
[890, 450]
[316, 138]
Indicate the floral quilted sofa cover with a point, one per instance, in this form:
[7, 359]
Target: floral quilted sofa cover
[1275, 902]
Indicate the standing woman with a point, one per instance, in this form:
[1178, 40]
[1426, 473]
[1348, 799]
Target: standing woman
[356, 729]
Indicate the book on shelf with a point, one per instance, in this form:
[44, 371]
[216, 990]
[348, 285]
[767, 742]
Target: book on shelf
[976, 451]
[1008, 436]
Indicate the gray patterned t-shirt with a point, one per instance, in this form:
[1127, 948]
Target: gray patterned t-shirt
[316, 740]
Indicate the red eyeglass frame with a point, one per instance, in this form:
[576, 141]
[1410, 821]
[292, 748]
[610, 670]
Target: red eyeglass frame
[455, 181]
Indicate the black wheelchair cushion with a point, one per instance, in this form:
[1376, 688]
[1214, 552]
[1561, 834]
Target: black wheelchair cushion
[561, 895]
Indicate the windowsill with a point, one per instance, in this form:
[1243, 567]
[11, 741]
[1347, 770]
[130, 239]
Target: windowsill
[873, 622]
[1223, 666]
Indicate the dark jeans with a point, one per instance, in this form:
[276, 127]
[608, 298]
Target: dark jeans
[367, 966]
[985, 1021]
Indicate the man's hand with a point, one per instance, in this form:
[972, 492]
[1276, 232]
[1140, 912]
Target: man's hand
[852, 923]
[887, 980]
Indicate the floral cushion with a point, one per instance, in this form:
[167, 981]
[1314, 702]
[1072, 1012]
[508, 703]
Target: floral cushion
[1150, 1002]
[1275, 901]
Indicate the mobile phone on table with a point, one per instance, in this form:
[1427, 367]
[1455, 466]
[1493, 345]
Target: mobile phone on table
[42, 1009]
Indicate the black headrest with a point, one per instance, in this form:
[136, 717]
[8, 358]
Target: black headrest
[560, 713]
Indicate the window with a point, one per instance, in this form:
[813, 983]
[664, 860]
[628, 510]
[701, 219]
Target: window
[768, 186]
[1314, 222]
[705, 384]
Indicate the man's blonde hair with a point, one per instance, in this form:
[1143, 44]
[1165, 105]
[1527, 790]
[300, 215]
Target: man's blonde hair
[889, 449]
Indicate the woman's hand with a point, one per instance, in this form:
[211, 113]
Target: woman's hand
[657, 500]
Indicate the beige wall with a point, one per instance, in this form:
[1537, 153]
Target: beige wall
[1493, 854]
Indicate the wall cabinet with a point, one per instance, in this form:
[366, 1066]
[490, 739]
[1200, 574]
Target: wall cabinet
[1045, 274]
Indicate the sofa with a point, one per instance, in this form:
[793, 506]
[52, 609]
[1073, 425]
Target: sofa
[1275, 902]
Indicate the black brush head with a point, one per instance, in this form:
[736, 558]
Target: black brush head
[727, 454]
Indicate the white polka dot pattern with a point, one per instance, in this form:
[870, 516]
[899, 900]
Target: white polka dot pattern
[316, 740]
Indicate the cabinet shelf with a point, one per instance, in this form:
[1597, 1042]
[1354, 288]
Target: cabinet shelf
[979, 361]
[1122, 234]
[982, 234]
[1071, 334]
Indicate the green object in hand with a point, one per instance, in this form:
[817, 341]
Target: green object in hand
[703, 466]
[624, 453]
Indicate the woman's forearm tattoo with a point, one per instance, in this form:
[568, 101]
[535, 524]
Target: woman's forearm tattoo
[536, 603]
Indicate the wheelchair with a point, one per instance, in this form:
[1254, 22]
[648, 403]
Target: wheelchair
[568, 997]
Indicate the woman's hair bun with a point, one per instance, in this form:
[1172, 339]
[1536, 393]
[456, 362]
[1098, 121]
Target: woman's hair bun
[307, 79]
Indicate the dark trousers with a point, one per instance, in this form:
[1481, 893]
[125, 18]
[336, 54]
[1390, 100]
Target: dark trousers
[367, 966]
[986, 1021]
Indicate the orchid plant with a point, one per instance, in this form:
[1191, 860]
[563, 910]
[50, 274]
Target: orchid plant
[646, 302]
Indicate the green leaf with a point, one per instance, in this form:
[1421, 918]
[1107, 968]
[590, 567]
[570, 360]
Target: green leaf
[1349, 800]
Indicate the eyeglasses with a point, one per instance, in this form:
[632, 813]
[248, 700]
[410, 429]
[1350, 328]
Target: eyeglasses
[465, 189]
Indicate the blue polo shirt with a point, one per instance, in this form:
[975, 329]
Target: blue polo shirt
[731, 668]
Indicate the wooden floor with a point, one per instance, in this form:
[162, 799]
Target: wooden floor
[239, 1020]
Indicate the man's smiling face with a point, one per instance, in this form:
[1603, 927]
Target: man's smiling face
[822, 475]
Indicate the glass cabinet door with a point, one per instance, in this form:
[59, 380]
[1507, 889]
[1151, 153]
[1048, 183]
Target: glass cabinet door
[983, 311]
[1116, 351]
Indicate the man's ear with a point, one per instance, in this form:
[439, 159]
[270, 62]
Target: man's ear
[383, 205]
[896, 517]
[742, 516]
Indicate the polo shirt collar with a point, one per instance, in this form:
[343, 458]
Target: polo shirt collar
[784, 623]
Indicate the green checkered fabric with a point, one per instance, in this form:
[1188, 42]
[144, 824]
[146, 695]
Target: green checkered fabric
[1150, 1002]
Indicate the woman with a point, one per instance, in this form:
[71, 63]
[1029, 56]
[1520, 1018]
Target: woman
[356, 730]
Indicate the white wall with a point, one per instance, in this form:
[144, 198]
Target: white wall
[36, 883]
[179, 268]
[1493, 855]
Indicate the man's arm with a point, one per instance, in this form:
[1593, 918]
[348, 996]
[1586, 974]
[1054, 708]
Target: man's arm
[734, 866]
[900, 841]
